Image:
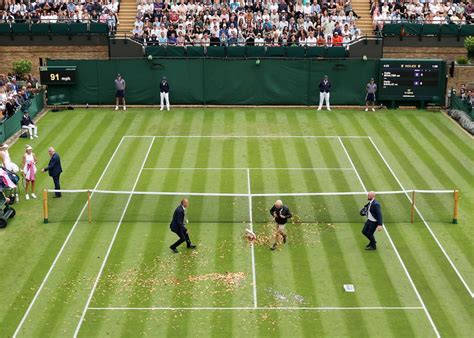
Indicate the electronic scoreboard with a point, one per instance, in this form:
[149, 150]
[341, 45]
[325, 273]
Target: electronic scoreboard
[412, 80]
[58, 75]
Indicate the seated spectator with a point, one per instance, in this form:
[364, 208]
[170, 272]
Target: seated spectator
[337, 40]
[28, 125]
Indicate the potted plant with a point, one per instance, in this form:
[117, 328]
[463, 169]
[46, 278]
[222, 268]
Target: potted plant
[21, 68]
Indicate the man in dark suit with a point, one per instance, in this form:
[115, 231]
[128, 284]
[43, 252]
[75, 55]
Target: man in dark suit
[178, 226]
[281, 213]
[54, 170]
[324, 92]
[373, 211]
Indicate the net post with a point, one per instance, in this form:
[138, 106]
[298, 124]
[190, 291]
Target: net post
[412, 215]
[45, 206]
[89, 210]
[456, 204]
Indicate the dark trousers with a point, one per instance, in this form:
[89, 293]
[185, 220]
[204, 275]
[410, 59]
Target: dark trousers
[57, 186]
[183, 237]
[368, 231]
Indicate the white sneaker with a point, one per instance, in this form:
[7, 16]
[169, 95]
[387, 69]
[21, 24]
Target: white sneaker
[366, 109]
[167, 109]
[329, 109]
[318, 109]
[124, 108]
[17, 198]
[31, 137]
[33, 195]
[36, 136]
[373, 109]
[27, 197]
[161, 108]
[116, 107]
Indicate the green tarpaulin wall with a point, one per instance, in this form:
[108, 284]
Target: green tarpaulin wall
[218, 81]
[457, 103]
[13, 124]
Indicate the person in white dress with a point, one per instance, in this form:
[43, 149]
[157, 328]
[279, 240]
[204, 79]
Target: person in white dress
[29, 171]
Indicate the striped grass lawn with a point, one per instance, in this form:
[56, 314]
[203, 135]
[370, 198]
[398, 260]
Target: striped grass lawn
[407, 288]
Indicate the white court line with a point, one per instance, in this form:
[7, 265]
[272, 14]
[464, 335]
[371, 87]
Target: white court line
[247, 136]
[352, 163]
[435, 329]
[424, 221]
[294, 308]
[252, 247]
[289, 169]
[96, 282]
[66, 241]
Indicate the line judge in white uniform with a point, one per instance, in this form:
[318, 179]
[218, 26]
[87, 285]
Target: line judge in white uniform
[164, 94]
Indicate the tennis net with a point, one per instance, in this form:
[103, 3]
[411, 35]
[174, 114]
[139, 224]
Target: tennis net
[331, 207]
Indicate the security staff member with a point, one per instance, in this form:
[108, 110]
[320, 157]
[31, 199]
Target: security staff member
[324, 92]
[164, 94]
[54, 170]
[281, 213]
[371, 88]
[120, 92]
[178, 226]
[373, 211]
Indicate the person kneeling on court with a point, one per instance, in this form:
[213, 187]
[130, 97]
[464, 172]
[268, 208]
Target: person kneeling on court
[281, 213]
[373, 211]
[178, 226]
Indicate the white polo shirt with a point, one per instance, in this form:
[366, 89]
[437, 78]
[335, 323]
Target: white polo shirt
[370, 217]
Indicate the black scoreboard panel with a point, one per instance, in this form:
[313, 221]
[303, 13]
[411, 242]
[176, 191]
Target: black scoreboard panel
[420, 80]
[59, 75]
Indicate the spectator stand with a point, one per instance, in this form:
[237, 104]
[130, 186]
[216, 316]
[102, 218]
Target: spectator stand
[234, 23]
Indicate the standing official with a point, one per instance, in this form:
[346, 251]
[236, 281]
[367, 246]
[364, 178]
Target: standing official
[373, 211]
[324, 92]
[54, 170]
[178, 226]
[164, 94]
[119, 92]
[281, 213]
[371, 88]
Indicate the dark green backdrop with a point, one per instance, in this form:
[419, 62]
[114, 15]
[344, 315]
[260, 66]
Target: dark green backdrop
[219, 81]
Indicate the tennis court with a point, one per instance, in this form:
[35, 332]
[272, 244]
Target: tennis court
[117, 276]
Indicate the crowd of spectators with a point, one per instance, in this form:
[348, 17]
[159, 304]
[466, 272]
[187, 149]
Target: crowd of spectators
[237, 23]
[15, 95]
[466, 95]
[422, 11]
[63, 11]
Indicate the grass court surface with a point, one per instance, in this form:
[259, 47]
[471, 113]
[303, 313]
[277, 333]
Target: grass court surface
[117, 277]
